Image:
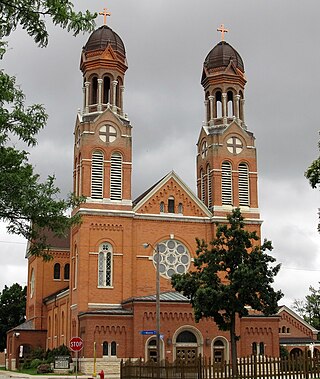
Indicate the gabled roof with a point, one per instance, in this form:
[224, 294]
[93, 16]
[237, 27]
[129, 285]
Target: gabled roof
[293, 314]
[148, 194]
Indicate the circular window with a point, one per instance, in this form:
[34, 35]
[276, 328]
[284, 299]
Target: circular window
[174, 258]
[107, 133]
[234, 145]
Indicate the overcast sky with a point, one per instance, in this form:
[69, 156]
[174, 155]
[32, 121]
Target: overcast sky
[166, 43]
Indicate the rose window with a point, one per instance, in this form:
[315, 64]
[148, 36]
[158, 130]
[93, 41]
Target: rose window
[174, 258]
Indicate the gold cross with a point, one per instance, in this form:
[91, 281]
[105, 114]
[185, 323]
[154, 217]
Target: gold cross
[223, 31]
[105, 13]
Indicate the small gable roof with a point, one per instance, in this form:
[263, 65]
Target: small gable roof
[293, 314]
[158, 185]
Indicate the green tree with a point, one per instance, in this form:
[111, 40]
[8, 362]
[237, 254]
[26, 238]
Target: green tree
[309, 308]
[12, 310]
[313, 175]
[26, 204]
[231, 275]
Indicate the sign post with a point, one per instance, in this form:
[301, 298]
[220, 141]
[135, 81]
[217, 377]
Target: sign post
[76, 344]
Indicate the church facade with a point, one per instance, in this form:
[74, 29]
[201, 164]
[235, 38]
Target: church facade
[101, 284]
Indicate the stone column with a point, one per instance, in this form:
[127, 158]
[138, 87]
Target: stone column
[99, 107]
[206, 103]
[121, 100]
[242, 111]
[237, 107]
[224, 107]
[113, 95]
[211, 99]
[86, 107]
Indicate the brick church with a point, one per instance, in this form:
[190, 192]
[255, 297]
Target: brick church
[101, 284]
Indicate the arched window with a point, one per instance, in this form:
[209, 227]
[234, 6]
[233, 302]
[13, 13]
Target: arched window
[171, 204]
[261, 348]
[118, 92]
[219, 351]
[209, 186]
[230, 108]
[202, 189]
[243, 184]
[79, 176]
[283, 329]
[208, 107]
[161, 207]
[105, 265]
[106, 90]
[66, 274]
[218, 107]
[94, 90]
[241, 113]
[113, 348]
[152, 350]
[56, 271]
[32, 281]
[186, 337]
[97, 175]
[75, 267]
[180, 208]
[62, 323]
[116, 177]
[105, 348]
[254, 348]
[226, 183]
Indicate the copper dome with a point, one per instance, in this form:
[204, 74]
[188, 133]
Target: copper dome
[101, 38]
[221, 55]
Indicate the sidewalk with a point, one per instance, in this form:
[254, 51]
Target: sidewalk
[15, 374]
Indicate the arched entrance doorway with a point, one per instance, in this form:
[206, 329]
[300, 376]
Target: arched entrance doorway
[186, 346]
[23, 354]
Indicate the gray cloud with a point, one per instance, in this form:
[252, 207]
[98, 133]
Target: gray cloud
[166, 43]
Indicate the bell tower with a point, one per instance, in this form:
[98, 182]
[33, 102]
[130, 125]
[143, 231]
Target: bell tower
[226, 158]
[102, 149]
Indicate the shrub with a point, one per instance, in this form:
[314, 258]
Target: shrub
[44, 368]
[57, 351]
[37, 353]
[26, 365]
[35, 363]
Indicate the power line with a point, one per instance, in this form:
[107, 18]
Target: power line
[15, 242]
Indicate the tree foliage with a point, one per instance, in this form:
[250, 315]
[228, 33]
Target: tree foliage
[234, 273]
[313, 175]
[12, 310]
[32, 15]
[26, 204]
[309, 308]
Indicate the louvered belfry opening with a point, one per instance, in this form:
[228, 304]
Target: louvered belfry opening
[97, 175]
[116, 177]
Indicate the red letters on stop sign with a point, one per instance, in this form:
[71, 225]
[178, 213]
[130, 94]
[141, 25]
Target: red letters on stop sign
[76, 344]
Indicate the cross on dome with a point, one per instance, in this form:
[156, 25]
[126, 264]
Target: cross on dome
[222, 30]
[105, 13]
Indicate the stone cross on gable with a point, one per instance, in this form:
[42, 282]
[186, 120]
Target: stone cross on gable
[234, 145]
[222, 30]
[105, 13]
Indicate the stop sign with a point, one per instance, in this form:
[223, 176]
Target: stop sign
[76, 344]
